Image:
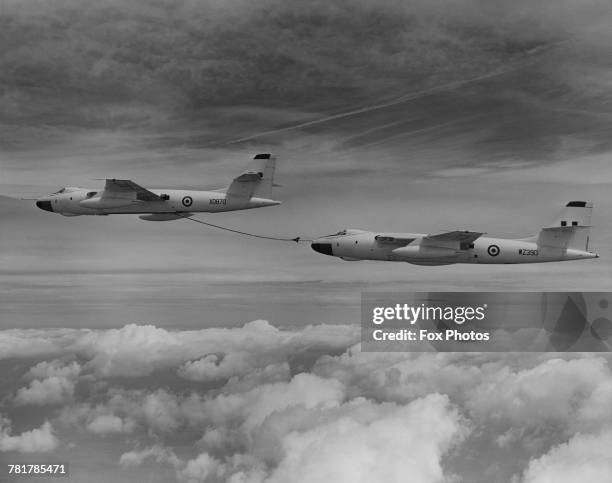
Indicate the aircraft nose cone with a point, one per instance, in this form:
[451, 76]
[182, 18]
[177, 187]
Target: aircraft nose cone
[44, 205]
[324, 248]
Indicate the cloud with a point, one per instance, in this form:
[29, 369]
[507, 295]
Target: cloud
[134, 351]
[262, 404]
[595, 412]
[54, 368]
[163, 413]
[156, 453]
[164, 58]
[108, 424]
[550, 391]
[359, 440]
[591, 169]
[40, 440]
[302, 429]
[215, 366]
[53, 390]
[139, 350]
[518, 400]
[158, 412]
[305, 390]
[585, 457]
[53, 383]
[36, 342]
[373, 442]
[201, 469]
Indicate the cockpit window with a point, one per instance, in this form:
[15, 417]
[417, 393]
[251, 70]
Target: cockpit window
[67, 189]
[350, 231]
[91, 194]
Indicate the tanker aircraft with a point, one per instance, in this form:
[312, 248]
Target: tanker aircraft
[252, 189]
[565, 239]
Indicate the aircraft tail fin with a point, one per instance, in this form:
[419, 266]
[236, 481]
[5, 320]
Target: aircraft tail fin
[256, 180]
[571, 229]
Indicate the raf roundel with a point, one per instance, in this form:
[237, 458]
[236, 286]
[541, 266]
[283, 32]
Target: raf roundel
[187, 201]
[493, 250]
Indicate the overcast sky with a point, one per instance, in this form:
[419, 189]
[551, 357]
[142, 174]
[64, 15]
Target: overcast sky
[385, 115]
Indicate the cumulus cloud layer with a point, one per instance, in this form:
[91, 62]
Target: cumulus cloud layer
[52, 383]
[52, 390]
[584, 457]
[262, 404]
[39, 440]
[365, 441]
[139, 350]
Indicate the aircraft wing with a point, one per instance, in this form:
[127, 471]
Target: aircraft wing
[119, 188]
[452, 238]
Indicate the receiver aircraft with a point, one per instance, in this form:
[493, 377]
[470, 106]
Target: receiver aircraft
[252, 189]
[565, 239]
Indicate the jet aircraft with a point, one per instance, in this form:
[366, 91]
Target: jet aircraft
[252, 189]
[565, 239]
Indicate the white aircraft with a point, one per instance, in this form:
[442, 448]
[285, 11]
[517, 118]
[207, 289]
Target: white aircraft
[252, 189]
[566, 239]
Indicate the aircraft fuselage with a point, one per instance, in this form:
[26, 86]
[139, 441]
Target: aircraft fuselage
[80, 201]
[362, 245]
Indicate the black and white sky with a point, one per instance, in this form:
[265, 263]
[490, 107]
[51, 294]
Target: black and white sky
[137, 350]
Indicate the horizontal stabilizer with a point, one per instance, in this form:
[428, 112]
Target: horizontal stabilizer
[561, 228]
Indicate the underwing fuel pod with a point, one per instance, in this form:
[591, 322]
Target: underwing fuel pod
[252, 189]
[565, 239]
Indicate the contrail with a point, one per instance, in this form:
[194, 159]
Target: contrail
[399, 100]
[374, 129]
[417, 131]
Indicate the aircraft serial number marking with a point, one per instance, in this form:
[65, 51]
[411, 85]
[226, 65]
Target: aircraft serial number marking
[218, 201]
[523, 251]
